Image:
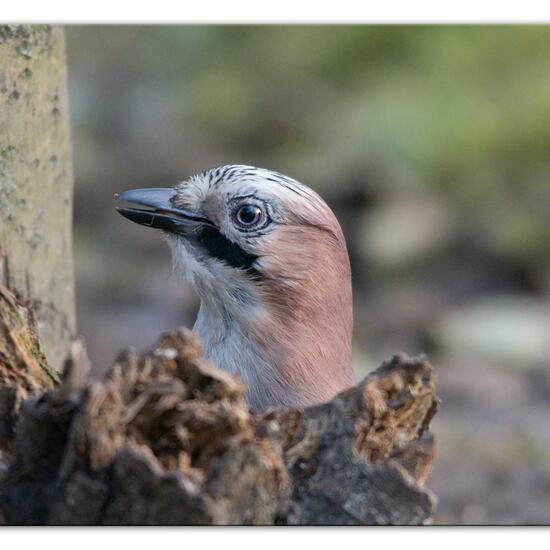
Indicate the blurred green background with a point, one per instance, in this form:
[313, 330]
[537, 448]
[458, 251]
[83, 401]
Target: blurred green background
[432, 145]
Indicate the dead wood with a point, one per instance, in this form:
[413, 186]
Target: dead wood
[166, 438]
[23, 368]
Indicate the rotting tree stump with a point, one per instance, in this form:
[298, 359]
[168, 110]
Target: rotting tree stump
[166, 438]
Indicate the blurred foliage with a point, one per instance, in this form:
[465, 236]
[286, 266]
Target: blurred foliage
[463, 111]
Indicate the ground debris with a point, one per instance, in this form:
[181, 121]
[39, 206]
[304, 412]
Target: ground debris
[166, 438]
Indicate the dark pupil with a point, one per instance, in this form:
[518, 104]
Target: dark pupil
[248, 214]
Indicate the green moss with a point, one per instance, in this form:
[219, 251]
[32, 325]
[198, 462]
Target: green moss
[6, 152]
[27, 38]
[25, 49]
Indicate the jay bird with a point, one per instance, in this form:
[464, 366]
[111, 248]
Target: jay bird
[268, 260]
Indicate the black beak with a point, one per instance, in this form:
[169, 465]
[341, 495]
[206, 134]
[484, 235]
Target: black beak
[153, 207]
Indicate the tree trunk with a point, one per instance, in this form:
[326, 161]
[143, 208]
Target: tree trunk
[36, 181]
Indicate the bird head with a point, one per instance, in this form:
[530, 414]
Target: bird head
[269, 262]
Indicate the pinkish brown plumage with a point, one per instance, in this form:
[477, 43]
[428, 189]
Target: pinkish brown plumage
[269, 262]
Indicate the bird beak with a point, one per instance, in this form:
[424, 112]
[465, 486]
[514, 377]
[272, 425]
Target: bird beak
[153, 208]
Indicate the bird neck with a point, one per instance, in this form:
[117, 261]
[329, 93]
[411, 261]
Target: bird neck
[230, 341]
[290, 347]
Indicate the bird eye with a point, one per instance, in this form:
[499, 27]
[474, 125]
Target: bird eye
[249, 215]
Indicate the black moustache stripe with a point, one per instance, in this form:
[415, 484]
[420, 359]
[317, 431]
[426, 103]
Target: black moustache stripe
[221, 248]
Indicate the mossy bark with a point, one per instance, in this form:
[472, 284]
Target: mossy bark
[36, 181]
